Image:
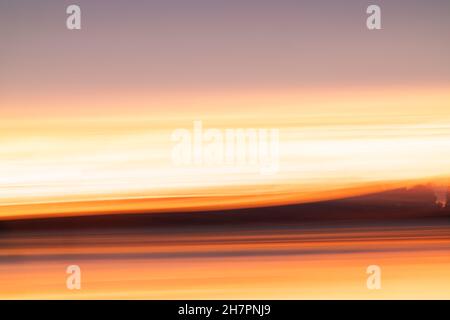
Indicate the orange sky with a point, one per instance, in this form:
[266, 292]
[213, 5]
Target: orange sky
[86, 116]
[332, 143]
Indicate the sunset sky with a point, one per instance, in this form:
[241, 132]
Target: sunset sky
[86, 116]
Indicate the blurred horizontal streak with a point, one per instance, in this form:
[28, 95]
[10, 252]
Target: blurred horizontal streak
[333, 144]
[256, 263]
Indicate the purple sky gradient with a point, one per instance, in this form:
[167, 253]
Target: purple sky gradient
[221, 45]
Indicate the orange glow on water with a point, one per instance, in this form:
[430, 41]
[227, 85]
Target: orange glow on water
[320, 264]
